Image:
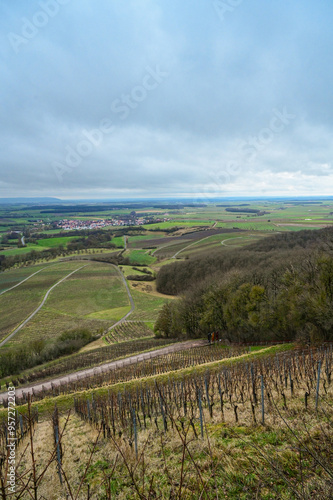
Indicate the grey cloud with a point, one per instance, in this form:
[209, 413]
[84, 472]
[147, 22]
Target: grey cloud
[224, 80]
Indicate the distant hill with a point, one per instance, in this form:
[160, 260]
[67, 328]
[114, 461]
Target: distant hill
[14, 201]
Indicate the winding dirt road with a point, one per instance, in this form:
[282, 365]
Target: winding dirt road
[112, 365]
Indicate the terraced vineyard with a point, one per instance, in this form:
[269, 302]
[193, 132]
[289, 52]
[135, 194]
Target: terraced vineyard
[86, 359]
[231, 428]
[17, 304]
[129, 330]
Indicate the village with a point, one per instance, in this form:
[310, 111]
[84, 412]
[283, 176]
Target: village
[127, 220]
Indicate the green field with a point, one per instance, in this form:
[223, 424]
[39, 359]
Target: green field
[90, 298]
[55, 242]
[139, 257]
[14, 276]
[119, 241]
[22, 250]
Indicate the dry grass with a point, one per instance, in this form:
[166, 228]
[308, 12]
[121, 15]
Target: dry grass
[238, 462]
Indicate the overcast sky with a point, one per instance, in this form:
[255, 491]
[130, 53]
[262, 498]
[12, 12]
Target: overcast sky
[152, 98]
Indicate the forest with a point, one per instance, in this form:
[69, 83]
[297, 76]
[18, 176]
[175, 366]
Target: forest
[277, 289]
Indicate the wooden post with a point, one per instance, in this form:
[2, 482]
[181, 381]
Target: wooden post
[200, 410]
[262, 401]
[318, 381]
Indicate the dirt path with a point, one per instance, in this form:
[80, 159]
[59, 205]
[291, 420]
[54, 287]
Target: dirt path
[105, 367]
[228, 239]
[20, 283]
[39, 307]
[188, 246]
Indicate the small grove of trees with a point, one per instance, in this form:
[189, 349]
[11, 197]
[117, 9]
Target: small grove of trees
[297, 304]
[16, 359]
[141, 277]
[102, 240]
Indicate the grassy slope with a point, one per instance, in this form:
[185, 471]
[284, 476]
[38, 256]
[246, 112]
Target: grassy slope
[55, 242]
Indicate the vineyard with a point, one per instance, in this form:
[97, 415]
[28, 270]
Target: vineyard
[86, 359]
[148, 365]
[257, 428]
[129, 330]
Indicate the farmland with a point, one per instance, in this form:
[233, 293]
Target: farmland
[228, 419]
[85, 300]
[98, 302]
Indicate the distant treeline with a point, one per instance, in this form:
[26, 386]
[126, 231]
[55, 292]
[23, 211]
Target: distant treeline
[49, 209]
[246, 211]
[241, 205]
[294, 202]
[280, 288]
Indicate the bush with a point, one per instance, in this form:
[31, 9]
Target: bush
[141, 277]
